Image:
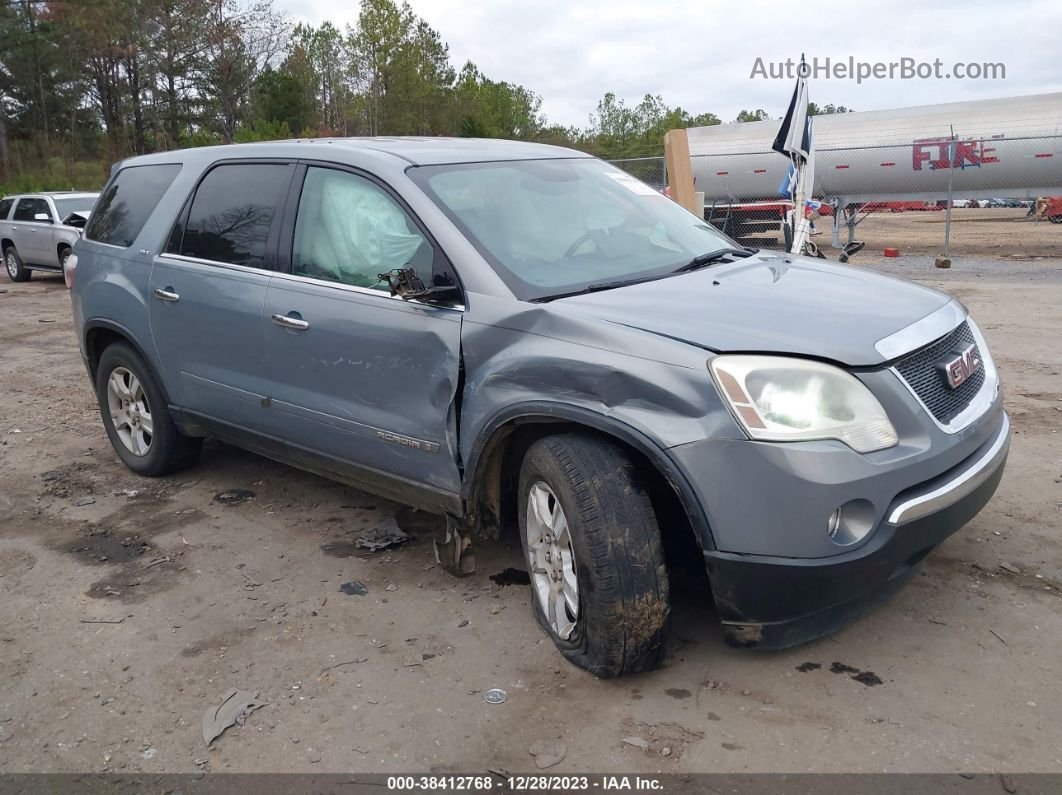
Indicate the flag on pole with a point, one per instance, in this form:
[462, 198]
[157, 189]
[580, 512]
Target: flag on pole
[794, 136]
[794, 141]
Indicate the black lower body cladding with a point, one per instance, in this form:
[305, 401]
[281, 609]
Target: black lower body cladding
[774, 603]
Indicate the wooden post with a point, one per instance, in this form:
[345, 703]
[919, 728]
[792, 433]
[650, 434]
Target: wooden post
[680, 171]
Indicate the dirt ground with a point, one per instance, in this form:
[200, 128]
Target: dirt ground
[130, 606]
[996, 231]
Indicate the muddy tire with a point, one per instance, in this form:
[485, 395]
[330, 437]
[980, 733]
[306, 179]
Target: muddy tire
[16, 271]
[136, 416]
[584, 511]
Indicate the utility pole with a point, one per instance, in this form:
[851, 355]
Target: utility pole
[945, 261]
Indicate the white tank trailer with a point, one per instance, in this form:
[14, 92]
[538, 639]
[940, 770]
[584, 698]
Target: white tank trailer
[1001, 148]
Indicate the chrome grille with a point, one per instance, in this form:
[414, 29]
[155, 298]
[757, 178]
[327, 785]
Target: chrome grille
[921, 370]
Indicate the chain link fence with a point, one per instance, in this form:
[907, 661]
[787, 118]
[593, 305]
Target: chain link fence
[1005, 196]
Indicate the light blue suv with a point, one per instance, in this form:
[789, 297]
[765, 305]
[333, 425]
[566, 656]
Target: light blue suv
[524, 338]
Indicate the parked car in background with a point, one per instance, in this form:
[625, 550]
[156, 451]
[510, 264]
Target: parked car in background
[996, 202]
[38, 230]
[527, 340]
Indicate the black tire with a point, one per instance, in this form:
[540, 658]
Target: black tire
[64, 255]
[1056, 219]
[169, 450]
[619, 558]
[13, 265]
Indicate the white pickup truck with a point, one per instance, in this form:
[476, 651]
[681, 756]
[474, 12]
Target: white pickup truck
[38, 231]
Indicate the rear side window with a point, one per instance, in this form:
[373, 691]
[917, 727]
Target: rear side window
[127, 203]
[5, 208]
[232, 214]
[28, 208]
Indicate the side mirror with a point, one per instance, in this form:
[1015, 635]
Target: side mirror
[438, 294]
[42, 217]
[405, 283]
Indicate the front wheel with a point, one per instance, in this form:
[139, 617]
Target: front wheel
[15, 269]
[136, 417]
[590, 536]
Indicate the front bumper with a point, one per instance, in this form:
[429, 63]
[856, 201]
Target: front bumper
[775, 602]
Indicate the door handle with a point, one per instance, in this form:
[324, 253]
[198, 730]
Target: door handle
[294, 323]
[166, 295]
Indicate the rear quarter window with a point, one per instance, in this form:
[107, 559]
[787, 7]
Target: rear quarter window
[5, 208]
[231, 215]
[127, 202]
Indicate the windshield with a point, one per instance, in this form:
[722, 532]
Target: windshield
[81, 204]
[553, 227]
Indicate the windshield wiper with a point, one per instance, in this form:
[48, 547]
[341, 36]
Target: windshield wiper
[697, 262]
[599, 286]
[711, 257]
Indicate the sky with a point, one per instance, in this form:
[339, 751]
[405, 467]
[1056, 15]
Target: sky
[700, 54]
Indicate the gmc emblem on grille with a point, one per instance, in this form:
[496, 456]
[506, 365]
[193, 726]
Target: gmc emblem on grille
[965, 364]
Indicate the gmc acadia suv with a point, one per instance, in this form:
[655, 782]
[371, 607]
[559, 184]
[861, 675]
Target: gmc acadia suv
[521, 336]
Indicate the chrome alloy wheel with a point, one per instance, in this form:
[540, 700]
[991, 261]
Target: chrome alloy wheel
[130, 411]
[551, 560]
[12, 264]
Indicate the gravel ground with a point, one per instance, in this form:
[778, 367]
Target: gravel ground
[130, 606]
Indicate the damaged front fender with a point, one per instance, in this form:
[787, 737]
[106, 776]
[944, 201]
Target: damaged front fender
[542, 364]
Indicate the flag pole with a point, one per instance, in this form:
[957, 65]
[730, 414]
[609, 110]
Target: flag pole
[794, 141]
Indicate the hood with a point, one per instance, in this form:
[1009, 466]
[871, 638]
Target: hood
[770, 303]
[77, 219]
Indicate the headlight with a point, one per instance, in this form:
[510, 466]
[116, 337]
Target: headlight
[779, 399]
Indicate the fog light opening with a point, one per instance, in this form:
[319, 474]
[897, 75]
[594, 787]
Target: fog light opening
[850, 523]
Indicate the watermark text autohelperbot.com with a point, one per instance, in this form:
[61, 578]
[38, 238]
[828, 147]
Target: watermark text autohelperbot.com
[851, 68]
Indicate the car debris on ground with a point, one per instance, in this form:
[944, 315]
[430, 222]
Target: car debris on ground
[234, 496]
[548, 753]
[495, 696]
[385, 535]
[353, 588]
[235, 707]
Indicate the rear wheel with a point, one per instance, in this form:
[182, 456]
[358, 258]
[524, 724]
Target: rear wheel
[1056, 219]
[16, 271]
[598, 580]
[136, 417]
[64, 255]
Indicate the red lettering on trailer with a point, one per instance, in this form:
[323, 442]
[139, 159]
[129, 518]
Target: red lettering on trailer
[1045, 154]
[840, 166]
[935, 151]
[721, 173]
[965, 152]
[888, 164]
[920, 154]
[759, 171]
